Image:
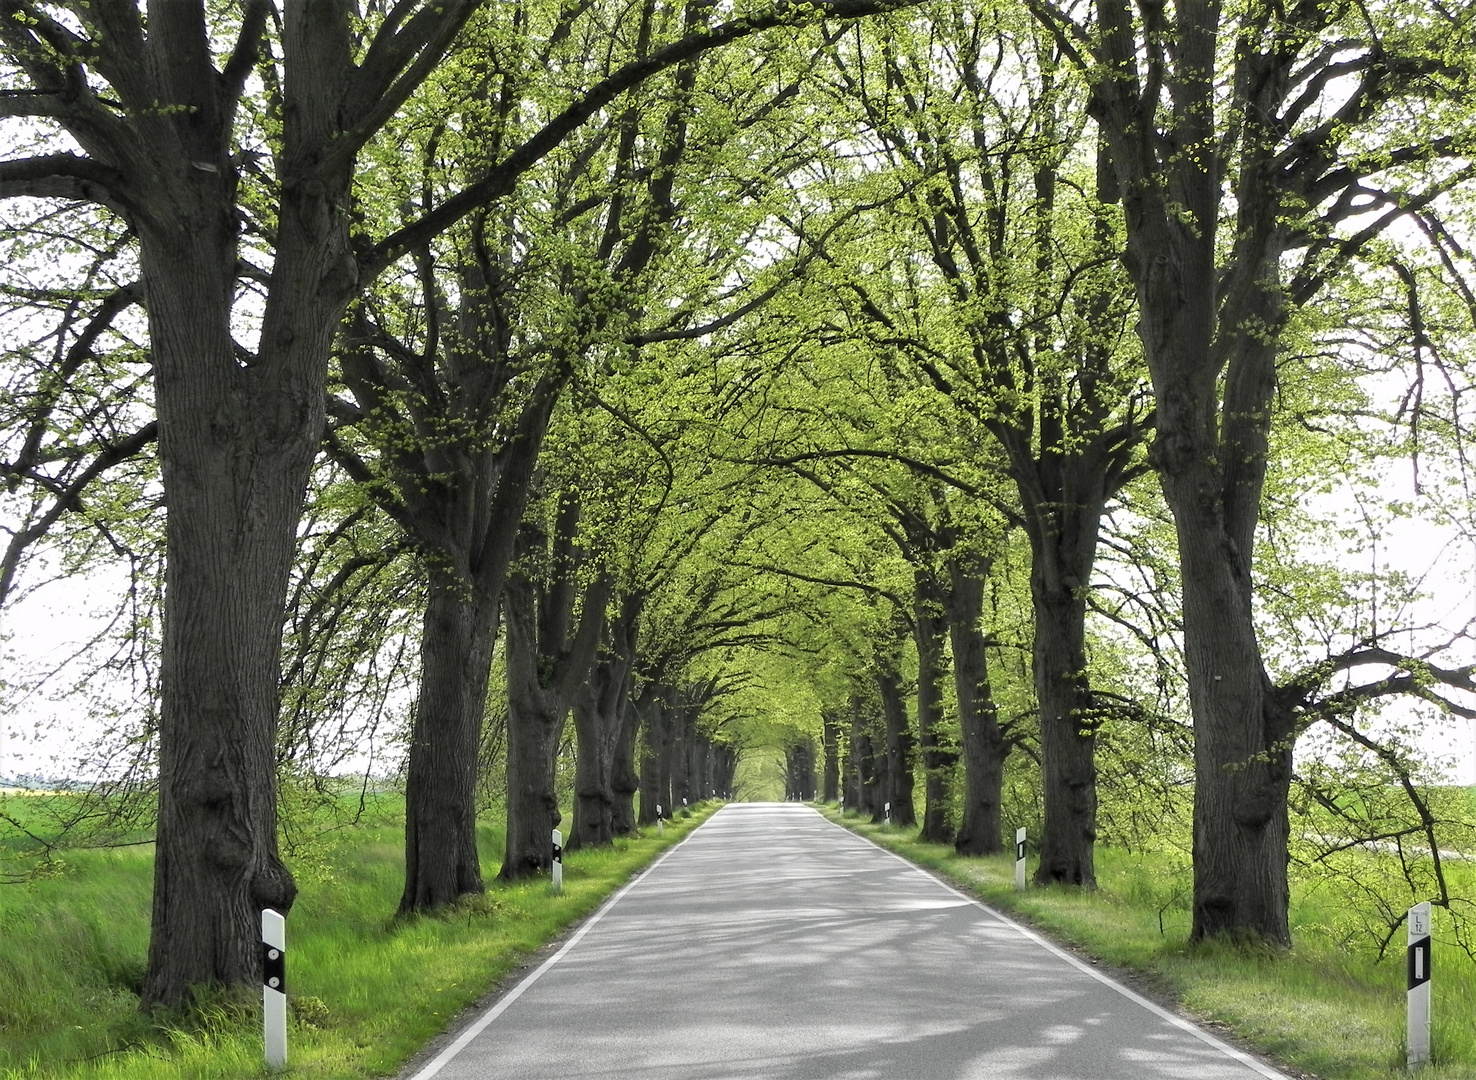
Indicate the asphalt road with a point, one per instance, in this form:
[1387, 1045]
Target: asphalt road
[773, 944]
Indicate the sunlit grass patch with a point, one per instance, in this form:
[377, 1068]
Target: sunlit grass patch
[367, 990]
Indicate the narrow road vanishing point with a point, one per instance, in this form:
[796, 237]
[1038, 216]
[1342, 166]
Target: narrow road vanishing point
[772, 944]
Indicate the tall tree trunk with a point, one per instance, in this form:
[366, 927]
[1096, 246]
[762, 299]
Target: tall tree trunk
[597, 724]
[899, 748]
[625, 780]
[858, 765]
[457, 641]
[547, 661]
[727, 765]
[680, 758]
[1067, 736]
[535, 717]
[938, 760]
[830, 727]
[670, 720]
[984, 746]
[604, 777]
[236, 445]
[655, 784]
[1242, 753]
[1209, 331]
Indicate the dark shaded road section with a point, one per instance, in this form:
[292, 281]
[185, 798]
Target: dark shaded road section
[774, 945]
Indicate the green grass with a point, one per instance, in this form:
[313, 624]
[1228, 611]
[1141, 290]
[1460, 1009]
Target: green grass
[368, 990]
[1324, 1009]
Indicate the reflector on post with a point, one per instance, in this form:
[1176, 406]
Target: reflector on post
[274, 987]
[1417, 964]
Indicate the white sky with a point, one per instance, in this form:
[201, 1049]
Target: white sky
[43, 733]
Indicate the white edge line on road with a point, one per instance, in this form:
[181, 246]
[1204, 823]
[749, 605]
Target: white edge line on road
[440, 1061]
[1157, 1010]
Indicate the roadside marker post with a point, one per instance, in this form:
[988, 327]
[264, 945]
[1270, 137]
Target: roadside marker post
[274, 987]
[1418, 969]
[1020, 859]
[558, 861]
[887, 813]
[660, 828]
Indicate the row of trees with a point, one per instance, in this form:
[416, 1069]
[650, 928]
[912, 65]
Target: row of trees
[577, 359]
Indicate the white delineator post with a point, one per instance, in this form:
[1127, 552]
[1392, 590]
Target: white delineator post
[887, 813]
[274, 987]
[1418, 968]
[660, 828]
[558, 861]
[1020, 858]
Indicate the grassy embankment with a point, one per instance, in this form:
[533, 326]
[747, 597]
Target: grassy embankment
[1322, 1010]
[368, 990]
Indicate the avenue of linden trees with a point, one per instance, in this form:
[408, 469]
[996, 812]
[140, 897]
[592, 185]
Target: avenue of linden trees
[461, 456]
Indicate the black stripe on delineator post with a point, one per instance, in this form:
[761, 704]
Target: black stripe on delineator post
[274, 967]
[1417, 963]
[1418, 958]
[274, 988]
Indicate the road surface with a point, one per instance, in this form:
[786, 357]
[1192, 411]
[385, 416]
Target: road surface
[772, 944]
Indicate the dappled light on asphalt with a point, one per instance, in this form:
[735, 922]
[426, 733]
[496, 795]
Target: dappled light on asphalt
[774, 945]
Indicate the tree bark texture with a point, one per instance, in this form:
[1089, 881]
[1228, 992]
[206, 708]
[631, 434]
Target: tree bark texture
[598, 716]
[1209, 331]
[899, 748]
[984, 745]
[725, 764]
[831, 732]
[655, 777]
[547, 660]
[236, 444]
[1067, 734]
[859, 763]
[601, 707]
[625, 779]
[930, 630]
[457, 641]
[535, 718]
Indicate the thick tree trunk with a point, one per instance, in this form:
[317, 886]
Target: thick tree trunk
[1067, 737]
[604, 719]
[459, 633]
[938, 760]
[857, 765]
[899, 749]
[535, 717]
[984, 747]
[830, 727]
[597, 725]
[1242, 752]
[625, 780]
[1209, 330]
[727, 765]
[654, 792]
[236, 445]
[680, 757]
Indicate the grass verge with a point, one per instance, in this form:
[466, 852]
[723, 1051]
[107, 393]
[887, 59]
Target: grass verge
[368, 991]
[1322, 1011]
